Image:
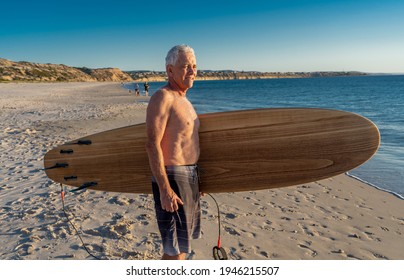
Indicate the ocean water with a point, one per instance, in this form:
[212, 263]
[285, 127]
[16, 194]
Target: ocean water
[378, 98]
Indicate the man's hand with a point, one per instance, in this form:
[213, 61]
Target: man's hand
[170, 201]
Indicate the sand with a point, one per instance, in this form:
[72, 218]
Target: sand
[337, 218]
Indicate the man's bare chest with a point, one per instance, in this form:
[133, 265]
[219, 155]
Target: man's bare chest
[183, 116]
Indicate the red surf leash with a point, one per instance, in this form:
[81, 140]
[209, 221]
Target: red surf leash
[219, 253]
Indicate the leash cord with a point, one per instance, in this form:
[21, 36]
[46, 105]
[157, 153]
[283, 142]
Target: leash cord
[219, 253]
[218, 217]
[62, 193]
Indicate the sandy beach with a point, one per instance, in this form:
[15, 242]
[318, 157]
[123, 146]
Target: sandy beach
[337, 218]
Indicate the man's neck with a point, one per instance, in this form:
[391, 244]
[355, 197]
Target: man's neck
[174, 87]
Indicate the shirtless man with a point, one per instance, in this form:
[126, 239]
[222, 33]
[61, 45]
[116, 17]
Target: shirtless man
[173, 150]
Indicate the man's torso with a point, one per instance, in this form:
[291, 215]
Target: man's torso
[180, 143]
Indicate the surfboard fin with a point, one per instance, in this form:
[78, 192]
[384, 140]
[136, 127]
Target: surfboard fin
[58, 165]
[85, 186]
[83, 142]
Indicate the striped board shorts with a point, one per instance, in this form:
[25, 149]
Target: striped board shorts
[177, 229]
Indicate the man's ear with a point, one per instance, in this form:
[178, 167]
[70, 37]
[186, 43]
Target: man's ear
[169, 69]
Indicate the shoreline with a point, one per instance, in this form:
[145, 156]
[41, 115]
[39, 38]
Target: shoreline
[336, 218]
[399, 196]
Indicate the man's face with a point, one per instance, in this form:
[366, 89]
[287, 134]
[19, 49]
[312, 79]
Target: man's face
[183, 72]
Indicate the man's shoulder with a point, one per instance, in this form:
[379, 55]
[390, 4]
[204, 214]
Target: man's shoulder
[164, 93]
[162, 96]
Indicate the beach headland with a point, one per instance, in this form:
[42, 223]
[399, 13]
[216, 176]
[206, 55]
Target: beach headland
[336, 218]
[23, 71]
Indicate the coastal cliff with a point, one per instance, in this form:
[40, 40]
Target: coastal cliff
[37, 72]
[23, 71]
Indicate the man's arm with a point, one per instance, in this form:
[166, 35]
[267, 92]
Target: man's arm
[158, 113]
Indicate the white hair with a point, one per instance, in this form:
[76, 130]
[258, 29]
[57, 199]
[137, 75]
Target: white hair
[172, 54]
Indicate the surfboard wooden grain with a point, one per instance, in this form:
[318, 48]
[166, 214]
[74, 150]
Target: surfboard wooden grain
[240, 151]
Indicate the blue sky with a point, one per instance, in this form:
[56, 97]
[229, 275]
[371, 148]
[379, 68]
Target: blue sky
[263, 35]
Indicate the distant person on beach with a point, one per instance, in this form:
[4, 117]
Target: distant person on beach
[137, 91]
[173, 150]
[146, 88]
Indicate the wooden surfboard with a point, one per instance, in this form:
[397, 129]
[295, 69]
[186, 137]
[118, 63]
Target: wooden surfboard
[240, 151]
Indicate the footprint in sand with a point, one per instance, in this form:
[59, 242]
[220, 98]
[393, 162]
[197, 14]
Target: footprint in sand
[231, 231]
[24, 249]
[384, 229]
[363, 206]
[310, 251]
[11, 131]
[232, 253]
[322, 209]
[380, 256]
[344, 255]
[144, 219]
[123, 201]
[230, 216]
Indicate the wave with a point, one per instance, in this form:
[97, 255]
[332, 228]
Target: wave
[374, 186]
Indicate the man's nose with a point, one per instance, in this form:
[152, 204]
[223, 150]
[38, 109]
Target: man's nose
[192, 70]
